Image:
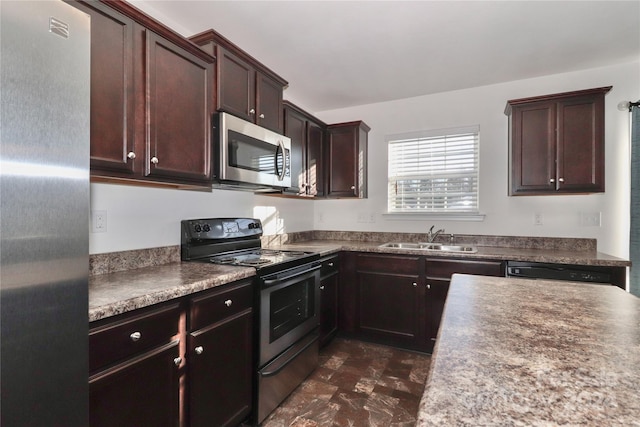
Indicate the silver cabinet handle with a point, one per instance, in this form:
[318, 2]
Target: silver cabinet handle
[261, 116]
[252, 111]
[199, 349]
[135, 336]
[552, 180]
[560, 179]
[322, 288]
[177, 361]
[131, 155]
[154, 160]
[228, 303]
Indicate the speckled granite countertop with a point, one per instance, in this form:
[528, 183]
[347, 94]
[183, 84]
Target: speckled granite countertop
[557, 256]
[129, 280]
[515, 352]
[116, 293]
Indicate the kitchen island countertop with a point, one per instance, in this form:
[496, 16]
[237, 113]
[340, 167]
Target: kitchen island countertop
[522, 352]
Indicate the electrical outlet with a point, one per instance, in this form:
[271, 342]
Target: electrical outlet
[99, 221]
[537, 218]
[362, 217]
[590, 219]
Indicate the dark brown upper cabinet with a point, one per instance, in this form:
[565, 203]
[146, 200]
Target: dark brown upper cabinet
[556, 143]
[307, 160]
[151, 100]
[245, 87]
[347, 159]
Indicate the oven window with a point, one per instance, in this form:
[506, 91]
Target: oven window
[291, 306]
[252, 154]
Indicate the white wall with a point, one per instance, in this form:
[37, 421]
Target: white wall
[141, 217]
[505, 215]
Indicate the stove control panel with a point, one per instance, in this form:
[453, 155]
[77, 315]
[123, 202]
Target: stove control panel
[220, 229]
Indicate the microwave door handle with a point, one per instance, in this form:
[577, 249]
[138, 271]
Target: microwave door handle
[282, 172]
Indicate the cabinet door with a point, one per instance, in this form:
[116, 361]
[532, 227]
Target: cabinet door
[237, 85]
[112, 91]
[144, 391]
[315, 160]
[342, 153]
[439, 273]
[347, 160]
[296, 129]
[328, 308]
[581, 144]
[436, 296]
[179, 113]
[389, 307]
[220, 372]
[533, 148]
[268, 103]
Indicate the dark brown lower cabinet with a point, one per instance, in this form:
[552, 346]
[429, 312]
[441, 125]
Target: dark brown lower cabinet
[220, 356]
[142, 391]
[188, 362]
[135, 368]
[219, 372]
[329, 279]
[399, 299]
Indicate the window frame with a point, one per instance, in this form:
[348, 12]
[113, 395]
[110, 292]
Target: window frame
[454, 214]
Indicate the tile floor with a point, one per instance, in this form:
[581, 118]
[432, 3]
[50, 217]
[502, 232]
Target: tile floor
[357, 384]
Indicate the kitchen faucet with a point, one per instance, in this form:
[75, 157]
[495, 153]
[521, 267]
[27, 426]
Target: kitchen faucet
[431, 235]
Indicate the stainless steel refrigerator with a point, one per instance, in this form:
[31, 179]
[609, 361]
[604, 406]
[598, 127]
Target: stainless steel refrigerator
[44, 210]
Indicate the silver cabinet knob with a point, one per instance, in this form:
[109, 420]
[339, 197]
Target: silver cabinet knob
[228, 303]
[131, 155]
[552, 180]
[261, 116]
[353, 187]
[415, 284]
[177, 361]
[252, 111]
[135, 336]
[560, 179]
[199, 349]
[330, 264]
[322, 288]
[154, 160]
[428, 286]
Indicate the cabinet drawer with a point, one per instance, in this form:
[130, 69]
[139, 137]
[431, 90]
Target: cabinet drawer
[216, 305]
[443, 269]
[132, 334]
[388, 264]
[330, 266]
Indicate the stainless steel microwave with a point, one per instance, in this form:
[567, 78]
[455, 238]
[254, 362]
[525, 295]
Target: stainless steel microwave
[250, 155]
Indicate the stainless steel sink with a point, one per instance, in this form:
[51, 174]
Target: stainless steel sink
[435, 247]
[405, 245]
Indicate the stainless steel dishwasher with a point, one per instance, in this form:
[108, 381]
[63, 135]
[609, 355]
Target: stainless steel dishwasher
[574, 273]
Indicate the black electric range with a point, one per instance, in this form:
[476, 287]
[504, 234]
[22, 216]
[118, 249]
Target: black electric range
[236, 241]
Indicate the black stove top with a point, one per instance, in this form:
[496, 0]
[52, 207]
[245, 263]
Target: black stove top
[235, 241]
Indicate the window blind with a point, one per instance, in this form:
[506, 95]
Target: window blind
[436, 172]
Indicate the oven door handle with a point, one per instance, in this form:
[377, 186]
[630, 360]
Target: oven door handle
[283, 279]
[284, 364]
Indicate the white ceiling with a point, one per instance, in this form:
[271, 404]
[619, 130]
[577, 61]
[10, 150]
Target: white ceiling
[337, 54]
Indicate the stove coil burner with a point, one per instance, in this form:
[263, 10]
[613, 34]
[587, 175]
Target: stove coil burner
[256, 262]
[270, 252]
[227, 260]
[293, 253]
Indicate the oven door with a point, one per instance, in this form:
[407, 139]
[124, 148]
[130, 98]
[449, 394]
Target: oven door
[289, 309]
[252, 154]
